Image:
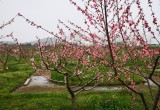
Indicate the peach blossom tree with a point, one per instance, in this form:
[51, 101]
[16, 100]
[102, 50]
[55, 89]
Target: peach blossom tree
[109, 21]
[72, 63]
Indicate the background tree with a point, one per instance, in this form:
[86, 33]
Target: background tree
[6, 52]
[70, 65]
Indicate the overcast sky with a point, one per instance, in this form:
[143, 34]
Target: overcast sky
[42, 12]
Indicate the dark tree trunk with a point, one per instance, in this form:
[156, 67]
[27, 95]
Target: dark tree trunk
[144, 102]
[4, 67]
[156, 100]
[73, 96]
[74, 103]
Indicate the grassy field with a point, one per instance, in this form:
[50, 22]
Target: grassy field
[60, 101]
[16, 75]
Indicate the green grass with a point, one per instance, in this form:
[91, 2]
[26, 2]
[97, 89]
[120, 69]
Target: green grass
[60, 101]
[16, 75]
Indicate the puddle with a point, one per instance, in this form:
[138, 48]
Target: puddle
[43, 81]
[39, 81]
[150, 82]
[42, 84]
[107, 88]
[39, 84]
[103, 88]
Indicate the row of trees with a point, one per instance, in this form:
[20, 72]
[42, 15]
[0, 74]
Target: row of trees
[105, 21]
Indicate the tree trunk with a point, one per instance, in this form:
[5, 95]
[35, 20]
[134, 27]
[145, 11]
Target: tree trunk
[4, 67]
[156, 100]
[144, 102]
[74, 104]
[73, 96]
